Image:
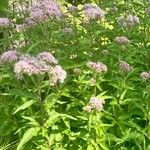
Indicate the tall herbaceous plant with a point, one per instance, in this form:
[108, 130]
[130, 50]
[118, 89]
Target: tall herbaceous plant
[75, 76]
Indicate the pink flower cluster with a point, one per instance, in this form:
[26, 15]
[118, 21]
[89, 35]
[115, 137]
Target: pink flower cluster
[94, 103]
[124, 66]
[43, 10]
[122, 40]
[45, 62]
[132, 20]
[4, 22]
[30, 65]
[97, 67]
[41, 64]
[92, 12]
[72, 9]
[58, 74]
[47, 57]
[145, 75]
[129, 21]
[9, 56]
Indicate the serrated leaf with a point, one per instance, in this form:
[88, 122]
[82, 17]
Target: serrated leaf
[32, 120]
[25, 105]
[21, 93]
[82, 117]
[68, 116]
[54, 117]
[50, 100]
[28, 135]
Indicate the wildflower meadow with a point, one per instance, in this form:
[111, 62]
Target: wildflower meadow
[74, 75]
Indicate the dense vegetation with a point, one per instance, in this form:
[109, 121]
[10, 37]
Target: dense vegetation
[75, 75]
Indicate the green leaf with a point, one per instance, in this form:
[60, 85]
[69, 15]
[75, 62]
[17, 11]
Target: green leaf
[32, 120]
[3, 7]
[68, 116]
[67, 122]
[25, 105]
[21, 93]
[50, 100]
[34, 45]
[82, 117]
[90, 147]
[28, 135]
[123, 94]
[94, 144]
[54, 117]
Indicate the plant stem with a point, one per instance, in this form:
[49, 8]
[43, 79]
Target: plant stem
[40, 101]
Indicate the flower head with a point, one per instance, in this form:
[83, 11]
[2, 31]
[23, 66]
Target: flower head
[9, 56]
[97, 67]
[44, 9]
[96, 103]
[124, 66]
[4, 22]
[30, 66]
[87, 6]
[132, 20]
[72, 9]
[47, 57]
[129, 21]
[122, 40]
[92, 12]
[57, 74]
[145, 75]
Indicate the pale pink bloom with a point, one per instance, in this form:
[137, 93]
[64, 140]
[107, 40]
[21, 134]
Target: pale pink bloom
[96, 103]
[132, 20]
[129, 21]
[4, 22]
[47, 57]
[44, 9]
[122, 40]
[57, 74]
[145, 75]
[124, 66]
[9, 56]
[97, 67]
[22, 67]
[92, 12]
[72, 9]
[30, 66]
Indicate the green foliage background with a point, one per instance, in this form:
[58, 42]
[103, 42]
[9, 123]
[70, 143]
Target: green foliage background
[58, 121]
